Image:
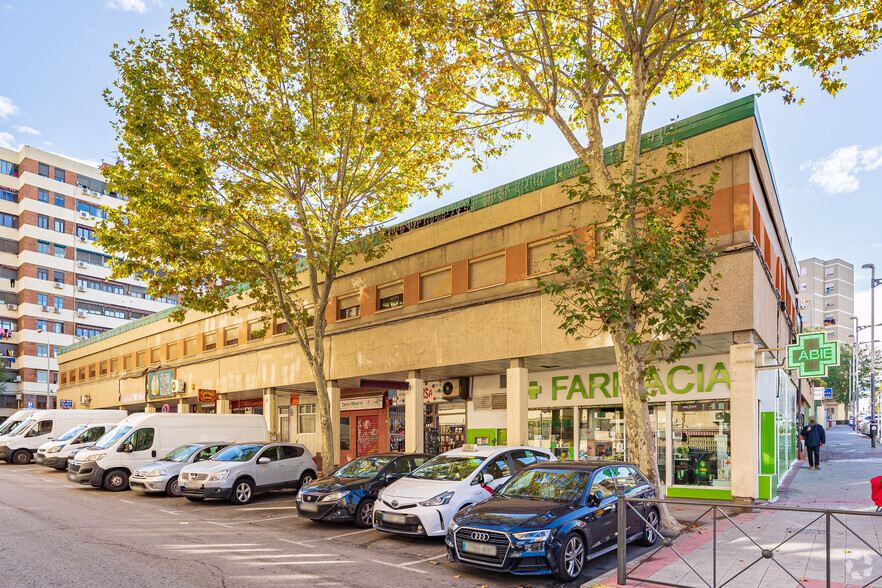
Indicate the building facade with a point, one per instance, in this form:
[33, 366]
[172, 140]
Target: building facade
[446, 340]
[54, 280]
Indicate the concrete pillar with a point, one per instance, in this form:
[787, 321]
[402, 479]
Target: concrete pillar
[517, 380]
[222, 404]
[183, 407]
[334, 400]
[149, 408]
[744, 426]
[414, 420]
[271, 413]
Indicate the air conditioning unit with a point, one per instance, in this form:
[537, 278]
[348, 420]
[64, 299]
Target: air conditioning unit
[45, 308]
[84, 214]
[81, 288]
[81, 313]
[56, 310]
[18, 378]
[179, 387]
[59, 285]
[455, 389]
[84, 190]
[81, 264]
[85, 399]
[10, 306]
[82, 239]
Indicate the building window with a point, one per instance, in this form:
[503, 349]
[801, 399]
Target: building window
[8, 195]
[42, 169]
[43, 195]
[59, 175]
[53, 351]
[8, 220]
[114, 365]
[42, 221]
[42, 351]
[102, 368]
[59, 225]
[280, 328]
[63, 378]
[92, 371]
[802, 287]
[306, 418]
[190, 346]
[209, 341]
[42, 377]
[348, 306]
[87, 332]
[390, 295]
[829, 321]
[58, 275]
[91, 184]
[43, 299]
[701, 431]
[82, 374]
[59, 200]
[141, 359]
[155, 355]
[231, 336]
[435, 283]
[86, 233]
[829, 272]
[171, 351]
[43, 247]
[42, 273]
[59, 250]
[8, 168]
[58, 302]
[127, 362]
[256, 330]
[58, 328]
[487, 270]
[538, 254]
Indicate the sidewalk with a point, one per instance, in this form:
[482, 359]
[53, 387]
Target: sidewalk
[847, 464]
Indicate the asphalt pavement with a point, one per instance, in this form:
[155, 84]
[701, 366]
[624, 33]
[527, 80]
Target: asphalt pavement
[55, 533]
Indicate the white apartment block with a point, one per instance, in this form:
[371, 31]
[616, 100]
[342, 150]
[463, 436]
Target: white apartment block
[826, 297]
[55, 286]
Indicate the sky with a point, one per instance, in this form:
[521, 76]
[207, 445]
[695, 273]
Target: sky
[826, 154]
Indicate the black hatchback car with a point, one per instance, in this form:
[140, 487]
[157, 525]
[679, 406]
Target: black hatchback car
[349, 493]
[550, 518]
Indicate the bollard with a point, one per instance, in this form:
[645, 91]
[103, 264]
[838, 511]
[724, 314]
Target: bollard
[622, 535]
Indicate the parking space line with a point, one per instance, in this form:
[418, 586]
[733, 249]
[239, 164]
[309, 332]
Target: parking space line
[191, 545]
[406, 565]
[386, 563]
[171, 512]
[261, 520]
[275, 555]
[297, 563]
[230, 550]
[121, 500]
[269, 508]
[347, 534]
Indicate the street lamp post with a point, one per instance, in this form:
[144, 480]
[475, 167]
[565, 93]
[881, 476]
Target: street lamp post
[873, 283]
[855, 383]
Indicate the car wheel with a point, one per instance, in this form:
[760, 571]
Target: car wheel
[21, 457]
[243, 492]
[571, 558]
[195, 498]
[650, 535]
[364, 514]
[116, 481]
[173, 488]
[306, 478]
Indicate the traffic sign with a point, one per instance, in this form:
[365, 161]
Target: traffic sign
[828, 392]
[812, 355]
[165, 408]
[29, 404]
[65, 403]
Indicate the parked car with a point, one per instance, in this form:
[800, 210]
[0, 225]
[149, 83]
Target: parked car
[14, 420]
[349, 493]
[21, 444]
[141, 438]
[73, 454]
[424, 502]
[550, 517]
[865, 425]
[161, 476]
[238, 472]
[54, 454]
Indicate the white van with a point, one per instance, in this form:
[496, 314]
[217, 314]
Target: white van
[13, 421]
[141, 438]
[45, 425]
[54, 454]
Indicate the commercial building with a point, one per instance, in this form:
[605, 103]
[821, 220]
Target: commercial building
[446, 340]
[54, 280]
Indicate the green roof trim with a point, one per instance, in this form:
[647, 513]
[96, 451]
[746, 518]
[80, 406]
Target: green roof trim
[709, 120]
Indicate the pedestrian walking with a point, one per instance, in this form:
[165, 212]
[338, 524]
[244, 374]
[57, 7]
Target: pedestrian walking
[814, 437]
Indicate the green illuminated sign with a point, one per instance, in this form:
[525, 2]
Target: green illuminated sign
[812, 355]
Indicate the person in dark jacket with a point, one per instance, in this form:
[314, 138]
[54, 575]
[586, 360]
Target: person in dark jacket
[814, 437]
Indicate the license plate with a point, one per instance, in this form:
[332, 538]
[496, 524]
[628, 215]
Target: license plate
[478, 548]
[183, 484]
[391, 517]
[309, 506]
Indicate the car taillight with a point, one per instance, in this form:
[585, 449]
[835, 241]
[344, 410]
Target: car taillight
[314, 461]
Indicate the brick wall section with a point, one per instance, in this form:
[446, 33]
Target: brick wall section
[27, 165]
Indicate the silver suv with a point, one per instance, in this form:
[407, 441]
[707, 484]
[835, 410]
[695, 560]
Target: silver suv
[239, 471]
[162, 475]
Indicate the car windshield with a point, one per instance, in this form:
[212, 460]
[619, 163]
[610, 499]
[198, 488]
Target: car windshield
[551, 485]
[10, 425]
[73, 433]
[237, 453]
[112, 436]
[22, 427]
[364, 467]
[182, 453]
[448, 467]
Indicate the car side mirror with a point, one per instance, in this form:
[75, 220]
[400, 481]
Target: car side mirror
[486, 479]
[264, 460]
[127, 448]
[389, 477]
[595, 498]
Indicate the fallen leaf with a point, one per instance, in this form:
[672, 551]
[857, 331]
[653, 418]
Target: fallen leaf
[419, 555]
[369, 547]
[434, 563]
[846, 551]
[803, 579]
[458, 576]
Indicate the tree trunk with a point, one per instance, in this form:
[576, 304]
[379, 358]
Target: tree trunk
[323, 403]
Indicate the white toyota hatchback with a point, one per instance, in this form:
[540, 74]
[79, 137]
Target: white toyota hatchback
[424, 501]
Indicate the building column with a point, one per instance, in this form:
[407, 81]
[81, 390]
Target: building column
[149, 408]
[183, 407]
[517, 380]
[744, 421]
[414, 420]
[271, 413]
[334, 401]
[222, 404]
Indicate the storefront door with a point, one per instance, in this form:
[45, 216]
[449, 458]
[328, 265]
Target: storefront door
[367, 434]
[602, 434]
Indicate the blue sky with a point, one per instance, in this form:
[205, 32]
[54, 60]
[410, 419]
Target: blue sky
[826, 154]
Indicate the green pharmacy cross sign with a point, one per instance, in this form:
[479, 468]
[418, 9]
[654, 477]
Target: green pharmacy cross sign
[812, 355]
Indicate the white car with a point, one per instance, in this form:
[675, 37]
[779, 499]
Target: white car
[424, 502]
[54, 454]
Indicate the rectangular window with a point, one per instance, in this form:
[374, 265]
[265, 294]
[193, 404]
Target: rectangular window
[141, 359]
[53, 351]
[43, 169]
[42, 377]
[114, 365]
[43, 299]
[390, 295]
[63, 378]
[42, 221]
[209, 341]
[538, 254]
[59, 225]
[435, 283]
[59, 200]
[190, 346]
[58, 276]
[8, 195]
[43, 195]
[155, 355]
[91, 184]
[231, 336]
[42, 351]
[8, 168]
[86, 233]
[59, 250]
[702, 429]
[92, 371]
[487, 270]
[306, 418]
[58, 328]
[43, 247]
[102, 368]
[255, 329]
[280, 328]
[127, 362]
[11, 221]
[8, 246]
[58, 302]
[171, 351]
[348, 306]
[59, 175]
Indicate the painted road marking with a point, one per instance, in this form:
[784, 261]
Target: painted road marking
[261, 520]
[274, 555]
[126, 501]
[277, 578]
[191, 545]
[405, 565]
[230, 550]
[296, 563]
[331, 538]
[171, 512]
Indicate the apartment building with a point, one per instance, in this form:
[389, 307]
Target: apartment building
[826, 297]
[55, 286]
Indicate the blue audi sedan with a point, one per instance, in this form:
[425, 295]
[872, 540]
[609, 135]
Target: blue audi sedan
[550, 517]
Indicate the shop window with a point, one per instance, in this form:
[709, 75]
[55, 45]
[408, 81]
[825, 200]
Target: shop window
[702, 445]
[436, 283]
[190, 346]
[390, 295]
[539, 254]
[156, 355]
[231, 336]
[114, 365]
[348, 306]
[306, 418]
[102, 368]
[209, 341]
[141, 359]
[445, 426]
[255, 330]
[344, 434]
[552, 429]
[487, 270]
[171, 351]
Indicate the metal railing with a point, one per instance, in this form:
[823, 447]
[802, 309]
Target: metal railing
[717, 510]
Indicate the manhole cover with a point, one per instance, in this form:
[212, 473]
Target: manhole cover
[808, 531]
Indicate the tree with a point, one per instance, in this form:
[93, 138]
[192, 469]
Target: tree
[262, 145]
[577, 63]
[839, 377]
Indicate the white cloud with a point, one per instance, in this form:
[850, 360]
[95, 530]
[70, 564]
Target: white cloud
[838, 173]
[7, 108]
[7, 141]
[139, 6]
[28, 131]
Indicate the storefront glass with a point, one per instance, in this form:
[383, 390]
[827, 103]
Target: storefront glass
[701, 443]
[602, 434]
[445, 426]
[396, 428]
[552, 429]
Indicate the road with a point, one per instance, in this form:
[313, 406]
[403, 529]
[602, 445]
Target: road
[56, 533]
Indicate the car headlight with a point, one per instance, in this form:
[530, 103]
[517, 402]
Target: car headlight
[532, 536]
[439, 500]
[155, 473]
[93, 457]
[55, 449]
[219, 477]
[453, 526]
[334, 496]
[380, 493]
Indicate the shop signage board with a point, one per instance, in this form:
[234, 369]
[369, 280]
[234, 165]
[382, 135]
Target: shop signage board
[370, 403]
[206, 396]
[65, 403]
[818, 393]
[159, 384]
[699, 378]
[247, 403]
[812, 355]
[127, 398]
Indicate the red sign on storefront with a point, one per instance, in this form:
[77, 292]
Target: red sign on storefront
[248, 403]
[206, 396]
